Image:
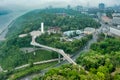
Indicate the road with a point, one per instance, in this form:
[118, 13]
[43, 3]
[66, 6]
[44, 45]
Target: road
[86, 48]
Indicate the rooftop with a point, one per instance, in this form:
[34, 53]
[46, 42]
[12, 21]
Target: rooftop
[115, 31]
[116, 20]
[55, 28]
[106, 19]
[89, 29]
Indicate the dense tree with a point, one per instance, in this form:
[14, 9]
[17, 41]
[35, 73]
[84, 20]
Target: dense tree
[66, 19]
[11, 55]
[107, 46]
[99, 66]
[53, 40]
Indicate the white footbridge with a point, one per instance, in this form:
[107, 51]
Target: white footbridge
[60, 51]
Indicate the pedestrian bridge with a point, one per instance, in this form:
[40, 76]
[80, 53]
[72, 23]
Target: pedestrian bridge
[60, 51]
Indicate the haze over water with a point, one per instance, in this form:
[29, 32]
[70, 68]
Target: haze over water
[5, 21]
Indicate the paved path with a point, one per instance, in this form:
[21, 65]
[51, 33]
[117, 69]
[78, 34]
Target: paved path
[60, 51]
[36, 63]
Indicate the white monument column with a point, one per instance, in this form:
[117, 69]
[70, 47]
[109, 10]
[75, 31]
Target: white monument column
[42, 27]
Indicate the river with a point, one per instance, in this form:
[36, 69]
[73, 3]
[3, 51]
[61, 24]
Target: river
[6, 20]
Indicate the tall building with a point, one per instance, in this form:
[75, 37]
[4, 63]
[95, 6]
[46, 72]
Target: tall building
[101, 6]
[79, 8]
[68, 7]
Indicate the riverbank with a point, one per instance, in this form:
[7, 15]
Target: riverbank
[7, 20]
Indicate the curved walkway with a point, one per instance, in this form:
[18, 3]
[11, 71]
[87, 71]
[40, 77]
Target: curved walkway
[60, 51]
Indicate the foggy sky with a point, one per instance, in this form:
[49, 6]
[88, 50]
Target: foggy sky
[56, 3]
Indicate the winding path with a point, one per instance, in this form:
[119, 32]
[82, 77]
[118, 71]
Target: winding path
[60, 51]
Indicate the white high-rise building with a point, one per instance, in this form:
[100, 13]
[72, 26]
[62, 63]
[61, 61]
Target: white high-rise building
[42, 27]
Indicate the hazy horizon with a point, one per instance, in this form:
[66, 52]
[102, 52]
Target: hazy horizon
[56, 3]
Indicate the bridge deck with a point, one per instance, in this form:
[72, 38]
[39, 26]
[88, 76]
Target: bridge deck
[60, 51]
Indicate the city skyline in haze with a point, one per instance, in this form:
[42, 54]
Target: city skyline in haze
[57, 3]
